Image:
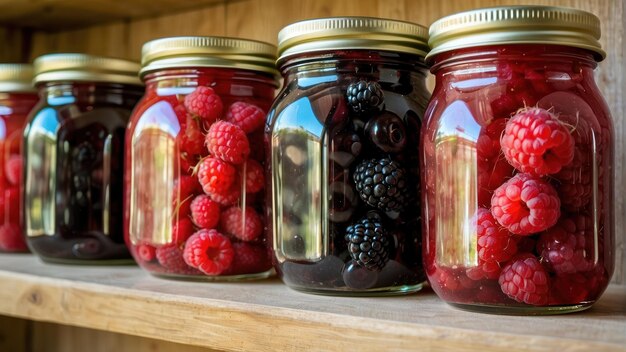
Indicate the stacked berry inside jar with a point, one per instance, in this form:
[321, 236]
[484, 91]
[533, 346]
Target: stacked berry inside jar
[11, 237]
[373, 211]
[216, 226]
[541, 158]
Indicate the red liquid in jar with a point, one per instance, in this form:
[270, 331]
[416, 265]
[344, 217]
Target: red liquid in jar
[502, 229]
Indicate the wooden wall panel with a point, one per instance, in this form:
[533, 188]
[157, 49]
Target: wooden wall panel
[14, 334]
[262, 19]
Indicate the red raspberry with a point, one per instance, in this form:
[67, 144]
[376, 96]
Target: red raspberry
[145, 252]
[494, 242]
[255, 176]
[205, 213]
[484, 270]
[215, 175]
[526, 205]
[170, 257]
[245, 225]
[248, 259]
[227, 197]
[13, 169]
[191, 138]
[536, 142]
[228, 142]
[452, 280]
[525, 280]
[204, 102]
[563, 248]
[182, 230]
[209, 251]
[11, 239]
[247, 116]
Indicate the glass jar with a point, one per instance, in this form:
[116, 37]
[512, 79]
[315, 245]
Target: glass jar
[74, 145]
[518, 158]
[17, 98]
[343, 141]
[195, 160]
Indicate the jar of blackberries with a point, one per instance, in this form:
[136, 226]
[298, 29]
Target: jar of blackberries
[517, 153]
[73, 158]
[195, 183]
[17, 98]
[343, 156]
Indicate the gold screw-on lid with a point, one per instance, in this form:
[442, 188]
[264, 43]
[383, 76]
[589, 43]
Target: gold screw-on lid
[340, 33]
[516, 25]
[189, 52]
[16, 78]
[85, 68]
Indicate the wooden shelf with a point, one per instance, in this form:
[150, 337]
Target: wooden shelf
[267, 316]
[64, 14]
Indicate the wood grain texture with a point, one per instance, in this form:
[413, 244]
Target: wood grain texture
[14, 334]
[266, 316]
[262, 19]
[54, 14]
[48, 337]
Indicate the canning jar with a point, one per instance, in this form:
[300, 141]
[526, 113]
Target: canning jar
[17, 98]
[195, 161]
[343, 154]
[517, 149]
[73, 158]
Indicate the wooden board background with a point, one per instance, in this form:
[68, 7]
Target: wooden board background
[261, 19]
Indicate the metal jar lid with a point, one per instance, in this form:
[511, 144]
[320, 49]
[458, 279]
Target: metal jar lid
[16, 78]
[341, 33]
[517, 25]
[85, 68]
[191, 52]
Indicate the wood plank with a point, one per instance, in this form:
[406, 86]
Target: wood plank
[266, 316]
[14, 334]
[206, 21]
[73, 13]
[47, 337]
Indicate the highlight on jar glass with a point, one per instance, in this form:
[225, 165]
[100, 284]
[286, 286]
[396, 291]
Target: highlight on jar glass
[17, 98]
[343, 139]
[195, 178]
[73, 158]
[517, 149]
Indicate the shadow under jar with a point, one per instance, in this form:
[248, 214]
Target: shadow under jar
[17, 98]
[343, 154]
[194, 162]
[517, 149]
[73, 158]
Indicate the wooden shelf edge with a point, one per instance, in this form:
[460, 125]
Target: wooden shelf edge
[234, 325]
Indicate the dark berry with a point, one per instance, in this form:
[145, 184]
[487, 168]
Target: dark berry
[381, 183]
[387, 132]
[358, 277]
[365, 96]
[368, 243]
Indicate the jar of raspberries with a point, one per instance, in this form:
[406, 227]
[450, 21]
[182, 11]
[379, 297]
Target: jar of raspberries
[517, 153]
[17, 98]
[195, 178]
[73, 158]
[343, 154]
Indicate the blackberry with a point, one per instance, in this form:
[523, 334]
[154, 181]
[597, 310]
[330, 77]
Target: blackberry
[381, 183]
[368, 243]
[365, 96]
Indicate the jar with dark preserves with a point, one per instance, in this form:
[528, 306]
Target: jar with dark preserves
[517, 148]
[73, 158]
[343, 139]
[195, 162]
[17, 98]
